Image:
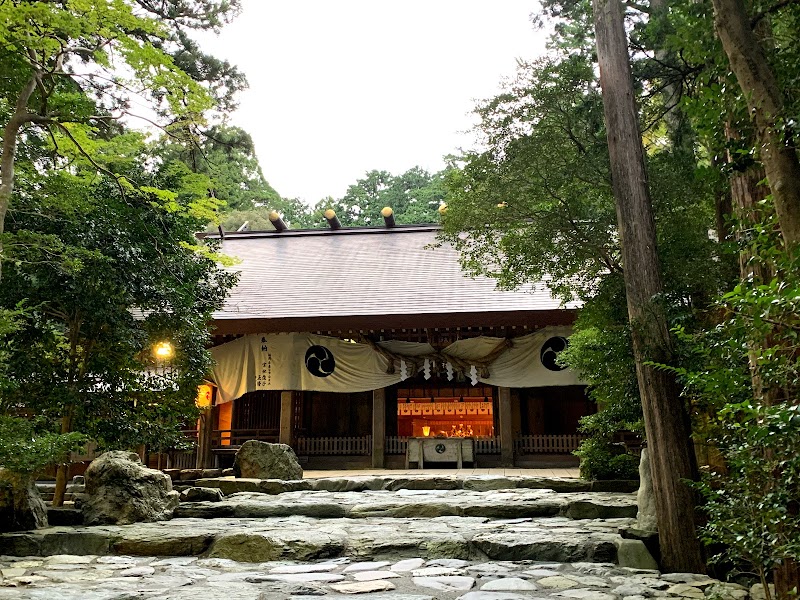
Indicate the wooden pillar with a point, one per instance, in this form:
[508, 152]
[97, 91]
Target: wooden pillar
[287, 418]
[378, 428]
[205, 427]
[506, 419]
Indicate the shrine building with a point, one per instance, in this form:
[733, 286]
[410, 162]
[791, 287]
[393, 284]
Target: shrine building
[346, 343]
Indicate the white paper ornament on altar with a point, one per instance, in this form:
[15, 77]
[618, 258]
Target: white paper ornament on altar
[426, 368]
[449, 368]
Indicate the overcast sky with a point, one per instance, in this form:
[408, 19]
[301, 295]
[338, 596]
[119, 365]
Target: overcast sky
[341, 87]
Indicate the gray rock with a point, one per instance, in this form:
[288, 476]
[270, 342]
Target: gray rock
[509, 584]
[557, 582]
[291, 544]
[645, 498]
[190, 474]
[447, 583]
[21, 507]
[634, 554]
[585, 595]
[486, 482]
[688, 591]
[280, 486]
[404, 566]
[588, 509]
[298, 578]
[363, 587]
[231, 486]
[633, 589]
[120, 490]
[298, 589]
[481, 595]
[366, 566]
[262, 460]
[555, 483]
[450, 563]
[545, 546]
[304, 568]
[201, 494]
[375, 575]
[359, 484]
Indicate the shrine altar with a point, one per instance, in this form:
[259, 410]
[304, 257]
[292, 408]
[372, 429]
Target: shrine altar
[423, 450]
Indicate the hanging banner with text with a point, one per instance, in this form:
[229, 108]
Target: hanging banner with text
[308, 362]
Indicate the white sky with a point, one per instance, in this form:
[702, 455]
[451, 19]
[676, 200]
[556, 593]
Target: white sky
[338, 88]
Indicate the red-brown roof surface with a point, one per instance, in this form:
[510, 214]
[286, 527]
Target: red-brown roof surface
[386, 277]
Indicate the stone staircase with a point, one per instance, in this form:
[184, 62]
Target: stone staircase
[475, 518]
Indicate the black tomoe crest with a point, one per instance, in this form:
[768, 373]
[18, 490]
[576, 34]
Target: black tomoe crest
[549, 353]
[320, 361]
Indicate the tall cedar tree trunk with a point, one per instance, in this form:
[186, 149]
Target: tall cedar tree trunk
[666, 419]
[778, 154]
[765, 101]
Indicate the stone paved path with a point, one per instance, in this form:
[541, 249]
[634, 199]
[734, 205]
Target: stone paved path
[431, 536]
[66, 577]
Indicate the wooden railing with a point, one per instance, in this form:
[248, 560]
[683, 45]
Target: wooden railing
[548, 444]
[181, 460]
[396, 444]
[233, 438]
[487, 445]
[334, 445]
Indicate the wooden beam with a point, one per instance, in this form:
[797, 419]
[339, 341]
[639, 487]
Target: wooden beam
[506, 419]
[287, 414]
[532, 319]
[378, 428]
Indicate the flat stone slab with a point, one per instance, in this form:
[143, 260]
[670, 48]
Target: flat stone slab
[189, 578]
[307, 539]
[230, 485]
[504, 503]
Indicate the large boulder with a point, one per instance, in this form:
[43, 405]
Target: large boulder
[261, 460]
[121, 490]
[21, 507]
[646, 517]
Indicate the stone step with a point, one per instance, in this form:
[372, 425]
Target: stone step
[369, 538]
[48, 497]
[230, 485]
[496, 504]
[64, 516]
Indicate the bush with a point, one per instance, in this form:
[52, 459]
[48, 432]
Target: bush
[602, 459]
[25, 447]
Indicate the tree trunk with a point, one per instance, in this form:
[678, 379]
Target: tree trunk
[10, 132]
[765, 101]
[61, 472]
[666, 420]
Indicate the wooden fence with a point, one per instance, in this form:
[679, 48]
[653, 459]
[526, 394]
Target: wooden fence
[334, 445]
[488, 445]
[548, 444]
[396, 444]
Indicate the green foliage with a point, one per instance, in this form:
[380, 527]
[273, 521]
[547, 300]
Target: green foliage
[753, 509]
[26, 446]
[226, 156]
[108, 272]
[414, 197]
[745, 371]
[601, 459]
